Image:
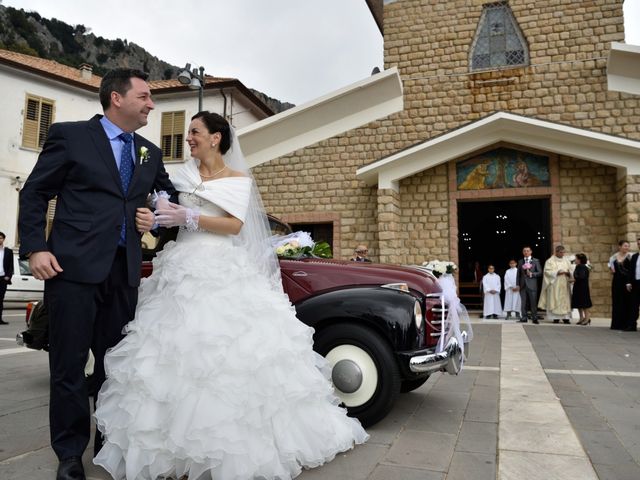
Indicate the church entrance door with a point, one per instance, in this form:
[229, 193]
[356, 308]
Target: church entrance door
[493, 232]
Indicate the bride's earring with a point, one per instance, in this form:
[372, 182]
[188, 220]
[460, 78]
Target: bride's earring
[213, 145]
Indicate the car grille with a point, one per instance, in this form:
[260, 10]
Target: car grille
[436, 313]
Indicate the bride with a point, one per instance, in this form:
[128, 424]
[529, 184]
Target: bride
[216, 377]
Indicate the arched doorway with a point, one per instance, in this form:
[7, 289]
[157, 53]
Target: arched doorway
[493, 232]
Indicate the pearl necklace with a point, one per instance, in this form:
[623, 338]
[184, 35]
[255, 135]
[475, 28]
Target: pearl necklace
[216, 173]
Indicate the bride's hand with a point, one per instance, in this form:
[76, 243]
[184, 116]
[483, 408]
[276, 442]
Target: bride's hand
[177, 216]
[162, 203]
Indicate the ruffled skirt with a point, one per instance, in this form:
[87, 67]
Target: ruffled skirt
[217, 378]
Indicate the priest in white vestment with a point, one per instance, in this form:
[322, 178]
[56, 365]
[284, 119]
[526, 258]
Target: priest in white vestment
[491, 286]
[512, 299]
[555, 296]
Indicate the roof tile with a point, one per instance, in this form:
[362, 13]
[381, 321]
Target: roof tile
[65, 72]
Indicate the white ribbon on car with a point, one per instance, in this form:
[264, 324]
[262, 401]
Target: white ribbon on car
[457, 318]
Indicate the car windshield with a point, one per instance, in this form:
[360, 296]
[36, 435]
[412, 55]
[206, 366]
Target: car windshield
[278, 228]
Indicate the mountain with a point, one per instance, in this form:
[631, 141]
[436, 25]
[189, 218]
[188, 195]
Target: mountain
[29, 33]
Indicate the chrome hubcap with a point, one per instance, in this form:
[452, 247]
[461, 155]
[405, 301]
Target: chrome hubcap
[346, 376]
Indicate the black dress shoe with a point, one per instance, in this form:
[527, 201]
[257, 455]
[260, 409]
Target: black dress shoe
[556, 320]
[535, 320]
[71, 469]
[630, 329]
[566, 321]
[2, 322]
[523, 320]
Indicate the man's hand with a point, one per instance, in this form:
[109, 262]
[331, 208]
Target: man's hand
[44, 265]
[144, 219]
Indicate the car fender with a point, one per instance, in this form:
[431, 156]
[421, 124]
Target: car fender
[387, 311]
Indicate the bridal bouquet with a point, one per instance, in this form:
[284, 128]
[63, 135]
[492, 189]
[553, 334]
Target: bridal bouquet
[300, 244]
[439, 267]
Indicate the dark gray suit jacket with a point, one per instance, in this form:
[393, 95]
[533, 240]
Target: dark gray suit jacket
[523, 280]
[7, 263]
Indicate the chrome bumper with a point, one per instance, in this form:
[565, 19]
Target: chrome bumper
[449, 360]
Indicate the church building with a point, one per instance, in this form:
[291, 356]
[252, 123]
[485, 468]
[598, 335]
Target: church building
[511, 135]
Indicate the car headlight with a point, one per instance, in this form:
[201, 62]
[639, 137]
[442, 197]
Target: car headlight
[417, 314]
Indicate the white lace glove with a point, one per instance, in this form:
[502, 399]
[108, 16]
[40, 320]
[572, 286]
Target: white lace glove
[174, 215]
[159, 199]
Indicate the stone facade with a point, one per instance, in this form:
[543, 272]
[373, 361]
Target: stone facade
[592, 205]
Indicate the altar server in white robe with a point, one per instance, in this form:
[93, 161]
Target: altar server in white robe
[491, 286]
[512, 291]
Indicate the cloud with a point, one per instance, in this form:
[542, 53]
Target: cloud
[289, 49]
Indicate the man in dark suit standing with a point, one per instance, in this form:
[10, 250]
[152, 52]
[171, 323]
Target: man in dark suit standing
[529, 270]
[633, 285]
[5, 275]
[101, 174]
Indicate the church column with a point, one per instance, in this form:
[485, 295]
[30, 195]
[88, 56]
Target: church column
[388, 226]
[628, 206]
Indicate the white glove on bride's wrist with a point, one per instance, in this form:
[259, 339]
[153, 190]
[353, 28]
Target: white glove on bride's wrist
[174, 215]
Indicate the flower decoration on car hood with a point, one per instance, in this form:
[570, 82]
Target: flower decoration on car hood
[440, 267]
[299, 245]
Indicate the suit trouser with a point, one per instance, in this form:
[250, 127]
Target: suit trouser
[531, 295]
[635, 304]
[82, 316]
[3, 291]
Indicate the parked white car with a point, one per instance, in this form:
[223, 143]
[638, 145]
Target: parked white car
[24, 287]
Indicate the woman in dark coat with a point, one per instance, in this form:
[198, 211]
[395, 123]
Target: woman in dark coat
[619, 264]
[580, 295]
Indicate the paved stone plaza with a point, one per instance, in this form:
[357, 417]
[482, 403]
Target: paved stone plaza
[534, 401]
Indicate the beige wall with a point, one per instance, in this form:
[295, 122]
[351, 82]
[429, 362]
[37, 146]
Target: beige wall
[566, 82]
[429, 41]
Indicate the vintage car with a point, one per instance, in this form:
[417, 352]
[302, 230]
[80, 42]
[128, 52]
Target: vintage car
[376, 324]
[24, 286]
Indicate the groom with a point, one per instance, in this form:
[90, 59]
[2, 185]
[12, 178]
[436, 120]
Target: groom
[529, 270]
[100, 173]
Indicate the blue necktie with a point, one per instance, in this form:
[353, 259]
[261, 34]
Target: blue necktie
[126, 172]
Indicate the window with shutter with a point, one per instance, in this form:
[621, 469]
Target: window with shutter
[38, 117]
[498, 41]
[172, 136]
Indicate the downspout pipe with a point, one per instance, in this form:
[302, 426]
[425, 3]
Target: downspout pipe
[224, 107]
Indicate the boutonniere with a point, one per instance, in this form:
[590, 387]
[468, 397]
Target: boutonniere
[144, 155]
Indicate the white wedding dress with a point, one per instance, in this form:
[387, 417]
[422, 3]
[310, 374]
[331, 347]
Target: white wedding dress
[216, 377]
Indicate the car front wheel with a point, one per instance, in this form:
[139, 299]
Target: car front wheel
[364, 371]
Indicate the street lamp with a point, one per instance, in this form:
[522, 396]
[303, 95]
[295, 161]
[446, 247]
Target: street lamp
[195, 79]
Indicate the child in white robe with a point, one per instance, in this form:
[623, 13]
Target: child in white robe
[491, 286]
[511, 291]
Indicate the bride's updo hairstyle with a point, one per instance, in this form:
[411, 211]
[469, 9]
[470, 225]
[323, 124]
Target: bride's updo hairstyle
[216, 123]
